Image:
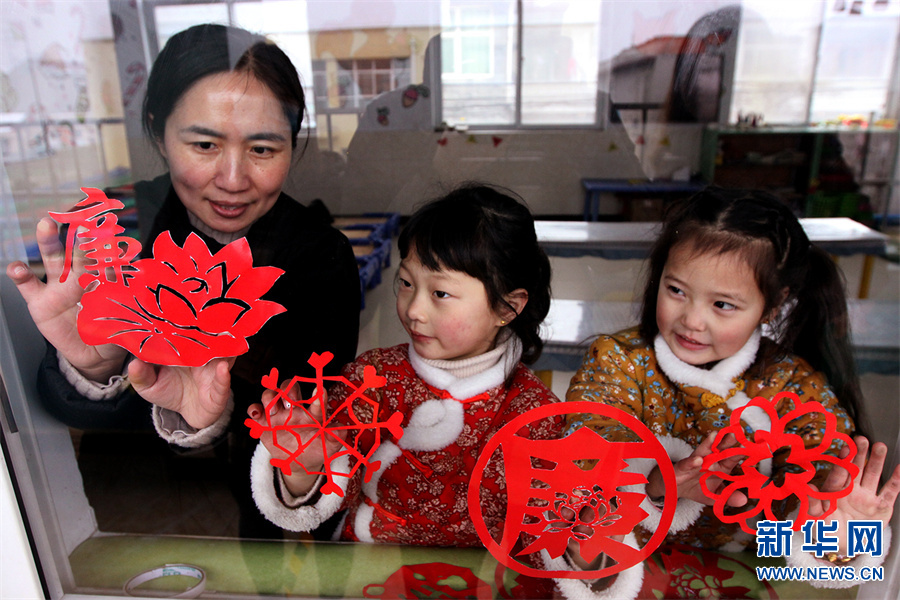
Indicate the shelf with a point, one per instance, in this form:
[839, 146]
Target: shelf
[814, 159]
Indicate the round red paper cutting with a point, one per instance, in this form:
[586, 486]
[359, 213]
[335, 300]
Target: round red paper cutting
[566, 485]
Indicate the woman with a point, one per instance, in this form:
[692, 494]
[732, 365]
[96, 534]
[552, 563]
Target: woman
[224, 108]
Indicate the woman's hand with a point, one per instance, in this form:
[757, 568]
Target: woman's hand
[289, 419]
[864, 502]
[688, 470]
[198, 394]
[54, 307]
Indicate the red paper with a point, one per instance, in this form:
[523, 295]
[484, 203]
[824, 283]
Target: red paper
[431, 580]
[326, 426]
[185, 306]
[537, 495]
[678, 571]
[762, 490]
[96, 228]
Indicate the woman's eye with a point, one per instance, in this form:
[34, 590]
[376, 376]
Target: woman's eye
[403, 283]
[440, 294]
[674, 290]
[722, 305]
[204, 145]
[261, 150]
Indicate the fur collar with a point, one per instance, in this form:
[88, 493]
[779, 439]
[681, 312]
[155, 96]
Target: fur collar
[719, 379]
[463, 388]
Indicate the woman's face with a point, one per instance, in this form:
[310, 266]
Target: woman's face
[228, 147]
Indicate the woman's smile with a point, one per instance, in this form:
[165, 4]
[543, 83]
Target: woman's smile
[229, 211]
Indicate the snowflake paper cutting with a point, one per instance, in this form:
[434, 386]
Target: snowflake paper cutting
[342, 424]
[763, 490]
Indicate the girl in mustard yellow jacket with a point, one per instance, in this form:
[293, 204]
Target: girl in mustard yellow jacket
[738, 304]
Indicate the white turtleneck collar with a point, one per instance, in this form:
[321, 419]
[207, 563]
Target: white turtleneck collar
[718, 379]
[471, 376]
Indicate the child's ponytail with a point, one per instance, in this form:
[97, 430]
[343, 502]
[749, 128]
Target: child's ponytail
[818, 329]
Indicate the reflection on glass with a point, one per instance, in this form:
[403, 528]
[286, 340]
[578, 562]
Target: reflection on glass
[560, 43]
[478, 58]
[69, 96]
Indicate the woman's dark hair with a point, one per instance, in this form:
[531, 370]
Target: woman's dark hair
[801, 285]
[699, 66]
[487, 233]
[204, 50]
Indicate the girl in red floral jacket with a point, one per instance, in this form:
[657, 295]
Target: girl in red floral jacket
[473, 289]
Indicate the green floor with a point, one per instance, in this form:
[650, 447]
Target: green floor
[308, 569]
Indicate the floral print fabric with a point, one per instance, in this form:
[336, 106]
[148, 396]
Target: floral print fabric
[621, 370]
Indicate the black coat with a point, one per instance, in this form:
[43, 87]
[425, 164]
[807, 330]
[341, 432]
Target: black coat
[319, 288]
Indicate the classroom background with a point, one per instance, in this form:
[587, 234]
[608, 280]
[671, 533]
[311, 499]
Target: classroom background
[597, 113]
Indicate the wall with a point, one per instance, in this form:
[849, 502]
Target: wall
[396, 170]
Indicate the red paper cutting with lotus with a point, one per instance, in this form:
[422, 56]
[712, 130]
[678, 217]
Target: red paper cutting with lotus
[553, 501]
[185, 306]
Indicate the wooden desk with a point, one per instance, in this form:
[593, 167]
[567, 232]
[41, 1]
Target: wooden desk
[838, 236]
[572, 325]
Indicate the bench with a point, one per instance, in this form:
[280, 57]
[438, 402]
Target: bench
[839, 236]
[572, 325]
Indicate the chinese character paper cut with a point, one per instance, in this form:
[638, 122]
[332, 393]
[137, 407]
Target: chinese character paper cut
[554, 502]
[94, 228]
[764, 491]
[340, 424]
[185, 306]
[431, 580]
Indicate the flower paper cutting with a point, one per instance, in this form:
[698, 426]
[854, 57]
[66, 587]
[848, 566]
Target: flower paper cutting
[555, 503]
[185, 306]
[762, 490]
[341, 424]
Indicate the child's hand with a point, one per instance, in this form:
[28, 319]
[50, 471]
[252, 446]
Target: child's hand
[281, 415]
[687, 474]
[198, 394]
[573, 549]
[864, 502]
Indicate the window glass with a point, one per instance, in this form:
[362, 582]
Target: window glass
[560, 45]
[405, 99]
[172, 18]
[478, 56]
[855, 68]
